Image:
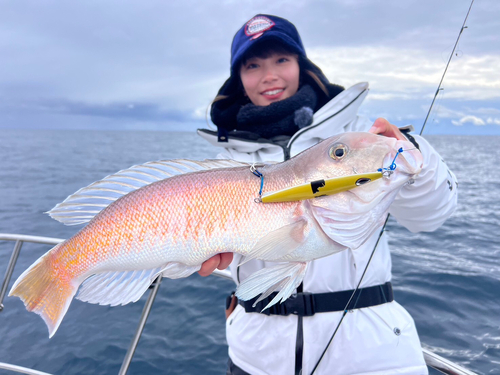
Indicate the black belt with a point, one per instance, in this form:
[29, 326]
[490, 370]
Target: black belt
[308, 304]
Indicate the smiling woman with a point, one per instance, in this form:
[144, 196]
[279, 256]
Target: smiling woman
[276, 104]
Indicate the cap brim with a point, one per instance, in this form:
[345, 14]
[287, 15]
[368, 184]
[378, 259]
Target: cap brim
[269, 35]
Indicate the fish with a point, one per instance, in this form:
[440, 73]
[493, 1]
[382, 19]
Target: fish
[168, 217]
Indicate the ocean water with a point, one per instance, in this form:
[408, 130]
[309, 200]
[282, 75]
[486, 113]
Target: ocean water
[449, 280]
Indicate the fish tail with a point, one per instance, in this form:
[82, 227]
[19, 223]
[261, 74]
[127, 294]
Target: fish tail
[44, 292]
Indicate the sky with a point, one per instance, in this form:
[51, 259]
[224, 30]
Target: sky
[156, 65]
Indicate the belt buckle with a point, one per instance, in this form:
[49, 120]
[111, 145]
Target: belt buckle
[300, 304]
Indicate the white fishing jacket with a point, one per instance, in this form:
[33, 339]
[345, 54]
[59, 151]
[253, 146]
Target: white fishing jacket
[374, 340]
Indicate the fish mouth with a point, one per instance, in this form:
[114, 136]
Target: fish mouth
[404, 157]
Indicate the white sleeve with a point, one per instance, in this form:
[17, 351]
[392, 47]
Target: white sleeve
[359, 124]
[246, 157]
[224, 154]
[431, 199]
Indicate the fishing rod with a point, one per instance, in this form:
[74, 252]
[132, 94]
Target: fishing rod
[446, 69]
[387, 219]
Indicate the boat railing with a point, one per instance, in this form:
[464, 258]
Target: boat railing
[431, 359]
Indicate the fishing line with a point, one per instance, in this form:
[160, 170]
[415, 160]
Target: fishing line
[438, 105]
[256, 173]
[393, 165]
[387, 219]
[350, 299]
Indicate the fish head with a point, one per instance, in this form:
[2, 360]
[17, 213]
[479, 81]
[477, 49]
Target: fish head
[351, 216]
[357, 152]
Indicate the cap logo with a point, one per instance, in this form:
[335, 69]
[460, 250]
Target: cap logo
[257, 25]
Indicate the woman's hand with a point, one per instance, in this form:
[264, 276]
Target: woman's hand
[383, 127]
[220, 261]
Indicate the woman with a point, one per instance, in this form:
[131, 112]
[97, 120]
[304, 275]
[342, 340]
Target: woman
[275, 104]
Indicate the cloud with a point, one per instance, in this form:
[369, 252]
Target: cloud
[488, 111]
[144, 112]
[472, 119]
[495, 121]
[146, 61]
[445, 112]
[410, 74]
[466, 115]
[403, 82]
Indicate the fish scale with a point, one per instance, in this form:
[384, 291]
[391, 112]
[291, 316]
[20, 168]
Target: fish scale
[194, 207]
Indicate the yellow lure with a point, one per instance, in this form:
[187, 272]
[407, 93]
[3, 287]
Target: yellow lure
[319, 188]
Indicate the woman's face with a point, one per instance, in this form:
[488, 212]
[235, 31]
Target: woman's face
[270, 79]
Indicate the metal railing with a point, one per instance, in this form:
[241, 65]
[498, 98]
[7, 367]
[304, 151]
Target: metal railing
[431, 359]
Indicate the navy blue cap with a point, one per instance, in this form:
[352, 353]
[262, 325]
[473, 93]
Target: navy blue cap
[263, 27]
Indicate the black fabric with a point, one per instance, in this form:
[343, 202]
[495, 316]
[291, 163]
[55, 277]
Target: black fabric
[229, 299]
[308, 304]
[284, 117]
[406, 133]
[232, 369]
[224, 111]
[299, 341]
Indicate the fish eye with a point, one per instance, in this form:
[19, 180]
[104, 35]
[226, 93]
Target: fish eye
[338, 151]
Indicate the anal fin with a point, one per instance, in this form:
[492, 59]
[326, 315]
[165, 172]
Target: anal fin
[174, 270]
[120, 288]
[287, 276]
[116, 288]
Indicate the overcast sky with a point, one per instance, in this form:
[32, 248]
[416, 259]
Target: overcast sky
[156, 65]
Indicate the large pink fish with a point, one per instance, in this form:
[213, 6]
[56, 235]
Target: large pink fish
[168, 217]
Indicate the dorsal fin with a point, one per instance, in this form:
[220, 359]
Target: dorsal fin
[82, 206]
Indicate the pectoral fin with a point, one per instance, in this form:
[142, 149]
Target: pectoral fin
[350, 222]
[279, 243]
[286, 277]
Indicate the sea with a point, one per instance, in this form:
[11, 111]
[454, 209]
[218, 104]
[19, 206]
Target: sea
[449, 280]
